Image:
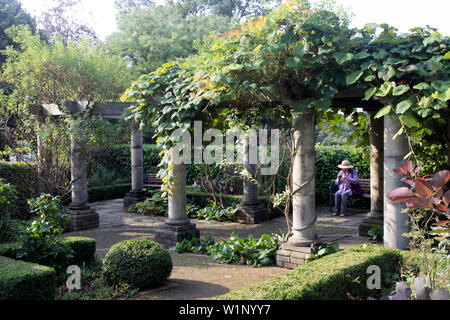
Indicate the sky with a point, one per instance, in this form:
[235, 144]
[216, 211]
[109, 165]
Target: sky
[402, 14]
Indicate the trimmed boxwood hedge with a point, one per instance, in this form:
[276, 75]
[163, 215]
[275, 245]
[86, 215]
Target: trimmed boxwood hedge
[83, 250]
[8, 250]
[26, 281]
[24, 177]
[141, 263]
[115, 191]
[335, 277]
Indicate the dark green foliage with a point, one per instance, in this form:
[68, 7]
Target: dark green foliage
[250, 251]
[141, 263]
[10, 229]
[11, 13]
[156, 205]
[234, 250]
[8, 250]
[214, 212]
[327, 170]
[323, 250]
[194, 245]
[83, 250]
[113, 165]
[342, 275]
[108, 192]
[39, 243]
[26, 281]
[23, 177]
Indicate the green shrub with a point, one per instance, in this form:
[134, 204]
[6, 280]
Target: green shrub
[83, 250]
[156, 205]
[327, 170]
[109, 192]
[24, 178]
[39, 243]
[26, 281]
[10, 229]
[341, 275]
[114, 164]
[140, 263]
[8, 250]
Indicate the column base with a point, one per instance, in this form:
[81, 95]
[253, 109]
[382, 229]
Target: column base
[372, 219]
[292, 257]
[173, 231]
[251, 213]
[133, 197]
[82, 219]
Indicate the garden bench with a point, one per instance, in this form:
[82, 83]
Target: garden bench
[152, 181]
[365, 186]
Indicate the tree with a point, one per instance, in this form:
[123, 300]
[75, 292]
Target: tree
[126, 6]
[59, 21]
[153, 35]
[11, 14]
[42, 73]
[227, 8]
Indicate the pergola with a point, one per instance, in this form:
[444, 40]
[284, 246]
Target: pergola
[386, 154]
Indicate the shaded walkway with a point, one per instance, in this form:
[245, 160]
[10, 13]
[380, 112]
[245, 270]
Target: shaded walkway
[197, 276]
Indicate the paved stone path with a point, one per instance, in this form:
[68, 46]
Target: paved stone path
[197, 276]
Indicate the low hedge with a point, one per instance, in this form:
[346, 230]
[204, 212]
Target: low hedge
[24, 177]
[26, 281]
[83, 250]
[141, 263]
[109, 192]
[335, 277]
[8, 250]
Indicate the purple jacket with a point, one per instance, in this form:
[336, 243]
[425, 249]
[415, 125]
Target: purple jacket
[344, 184]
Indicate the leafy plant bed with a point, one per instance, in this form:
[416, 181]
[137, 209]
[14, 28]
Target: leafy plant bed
[342, 275]
[212, 212]
[235, 250]
[95, 287]
[156, 205]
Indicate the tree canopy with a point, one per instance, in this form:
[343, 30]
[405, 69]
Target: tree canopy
[11, 14]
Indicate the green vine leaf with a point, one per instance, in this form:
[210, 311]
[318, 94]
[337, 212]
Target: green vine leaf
[384, 111]
[353, 77]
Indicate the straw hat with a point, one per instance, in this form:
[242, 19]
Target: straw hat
[345, 165]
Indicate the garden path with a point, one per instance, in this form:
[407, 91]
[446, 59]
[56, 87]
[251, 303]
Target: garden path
[196, 276]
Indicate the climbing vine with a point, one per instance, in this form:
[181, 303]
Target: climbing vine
[294, 59]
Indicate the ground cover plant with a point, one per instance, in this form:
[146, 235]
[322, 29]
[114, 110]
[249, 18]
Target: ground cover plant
[156, 205]
[235, 250]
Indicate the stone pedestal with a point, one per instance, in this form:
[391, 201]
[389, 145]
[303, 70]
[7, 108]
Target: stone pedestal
[171, 232]
[395, 222]
[292, 257]
[137, 193]
[178, 226]
[250, 210]
[134, 197]
[375, 216]
[82, 219]
[81, 216]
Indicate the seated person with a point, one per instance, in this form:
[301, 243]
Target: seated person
[345, 178]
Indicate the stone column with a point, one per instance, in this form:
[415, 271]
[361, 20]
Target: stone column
[178, 226]
[375, 216]
[395, 222]
[251, 210]
[292, 253]
[137, 194]
[81, 216]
